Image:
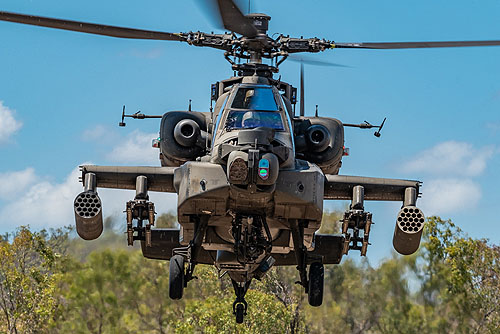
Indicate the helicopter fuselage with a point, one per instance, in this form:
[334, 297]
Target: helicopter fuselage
[249, 170]
[250, 175]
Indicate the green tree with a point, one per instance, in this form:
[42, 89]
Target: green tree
[98, 294]
[154, 311]
[27, 283]
[472, 270]
[211, 310]
[51, 282]
[166, 220]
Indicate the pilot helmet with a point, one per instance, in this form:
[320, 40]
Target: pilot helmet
[250, 119]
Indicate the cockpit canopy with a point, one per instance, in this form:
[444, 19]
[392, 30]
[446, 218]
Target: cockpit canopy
[239, 119]
[255, 98]
[254, 107]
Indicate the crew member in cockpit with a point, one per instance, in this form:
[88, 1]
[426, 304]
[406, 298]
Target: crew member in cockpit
[248, 99]
[250, 119]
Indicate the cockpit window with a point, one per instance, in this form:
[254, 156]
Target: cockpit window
[253, 119]
[255, 98]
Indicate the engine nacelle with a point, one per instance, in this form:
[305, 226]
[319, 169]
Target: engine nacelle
[408, 231]
[88, 215]
[183, 136]
[320, 140]
[187, 132]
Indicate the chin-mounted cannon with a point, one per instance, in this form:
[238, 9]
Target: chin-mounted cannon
[88, 210]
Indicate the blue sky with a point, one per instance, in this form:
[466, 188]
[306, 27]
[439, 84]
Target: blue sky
[62, 94]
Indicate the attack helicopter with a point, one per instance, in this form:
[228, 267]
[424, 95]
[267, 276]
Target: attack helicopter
[251, 175]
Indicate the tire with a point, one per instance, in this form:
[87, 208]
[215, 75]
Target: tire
[316, 283]
[240, 313]
[176, 277]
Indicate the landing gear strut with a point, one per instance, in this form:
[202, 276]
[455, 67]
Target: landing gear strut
[178, 275]
[240, 305]
[314, 284]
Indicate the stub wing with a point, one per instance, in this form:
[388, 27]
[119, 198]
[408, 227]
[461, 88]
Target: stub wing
[340, 187]
[124, 177]
[356, 223]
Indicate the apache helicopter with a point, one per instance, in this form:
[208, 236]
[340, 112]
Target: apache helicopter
[251, 176]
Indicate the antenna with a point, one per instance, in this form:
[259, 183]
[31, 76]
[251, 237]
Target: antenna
[137, 115]
[122, 123]
[367, 125]
[316, 113]
[377, 134]
[189, 109]
[301, 89]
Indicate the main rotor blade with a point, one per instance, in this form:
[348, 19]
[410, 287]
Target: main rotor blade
[234, 20]
[89, 28]
[414, 45]
[314, 62]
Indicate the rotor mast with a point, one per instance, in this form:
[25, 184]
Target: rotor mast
[261, 23]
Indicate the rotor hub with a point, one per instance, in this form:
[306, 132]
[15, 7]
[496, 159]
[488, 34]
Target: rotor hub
[260, 21]
[255, 69]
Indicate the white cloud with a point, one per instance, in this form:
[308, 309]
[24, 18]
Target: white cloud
[8, 124]
[445, 196]
[452, 167]
[451, 158]
[13, 183]
[136, 149]
[133, 148]
[493, 126]
[45, 204]
[99, 132]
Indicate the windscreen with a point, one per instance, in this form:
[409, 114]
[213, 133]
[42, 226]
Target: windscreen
[255, 98]
[253, 119]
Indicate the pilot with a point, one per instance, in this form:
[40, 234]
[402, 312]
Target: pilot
[250, 119]
[248, 99]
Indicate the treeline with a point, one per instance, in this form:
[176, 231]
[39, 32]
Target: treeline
[52, 282]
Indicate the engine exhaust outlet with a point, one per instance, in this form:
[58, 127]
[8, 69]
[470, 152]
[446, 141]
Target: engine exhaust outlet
[408, 231]
[186, 132]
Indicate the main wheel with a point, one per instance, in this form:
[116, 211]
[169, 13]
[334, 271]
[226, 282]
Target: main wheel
[240, 313]
[316, 283]
[176, 277]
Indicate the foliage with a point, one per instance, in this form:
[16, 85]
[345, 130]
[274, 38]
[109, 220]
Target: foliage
[471, 271]
[214, 314]
[166, 220]
[330, 223]
[54, 283]
[27, 283]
